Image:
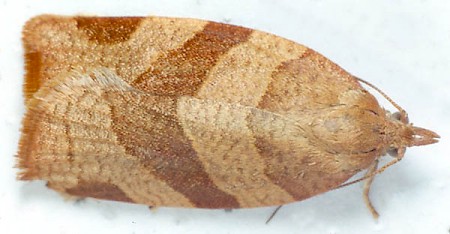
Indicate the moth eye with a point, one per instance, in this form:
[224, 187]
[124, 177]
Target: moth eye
[402, 118]
[392, 152]
[396, 116]
[405, 120]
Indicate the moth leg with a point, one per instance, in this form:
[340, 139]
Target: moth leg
[273, 214]
[367, 185]
[153, 209]
[80, 200]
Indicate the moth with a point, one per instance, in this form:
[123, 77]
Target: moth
[191, 113]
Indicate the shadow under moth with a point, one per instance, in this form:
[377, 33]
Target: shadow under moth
[190, 113]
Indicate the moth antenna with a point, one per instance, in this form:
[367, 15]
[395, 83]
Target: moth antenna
[403, 114]
[273, 214]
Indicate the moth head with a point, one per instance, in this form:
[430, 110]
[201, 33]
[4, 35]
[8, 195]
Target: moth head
[407, 135]
[400, 133]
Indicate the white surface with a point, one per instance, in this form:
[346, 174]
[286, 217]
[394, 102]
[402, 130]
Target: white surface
[402, 46]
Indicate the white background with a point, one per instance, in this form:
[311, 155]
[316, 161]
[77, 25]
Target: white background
[402, 46]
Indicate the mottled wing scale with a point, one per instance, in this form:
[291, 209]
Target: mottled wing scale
[183, 112]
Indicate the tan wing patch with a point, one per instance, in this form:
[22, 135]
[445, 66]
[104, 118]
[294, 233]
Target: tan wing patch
[226, 147]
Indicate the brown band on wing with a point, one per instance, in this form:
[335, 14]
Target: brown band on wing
[225, 146]
[182, 71]
[154, 136]
[283, 148]
[108, 30]
[290, 88]
[33, 65]
[292, 160]
[277, 172]
[100, 190]
[300, 171]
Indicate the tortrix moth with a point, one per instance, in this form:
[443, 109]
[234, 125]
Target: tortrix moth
[191, 113]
